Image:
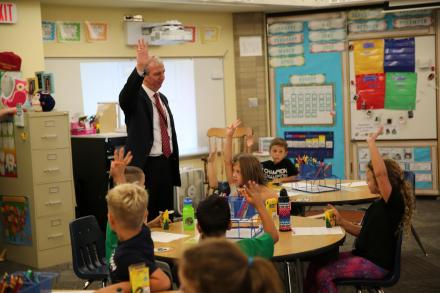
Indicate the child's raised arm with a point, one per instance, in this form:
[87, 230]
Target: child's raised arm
[228, 149]
[253, 197]
[117, 167]
[212, 169]
[380, 171]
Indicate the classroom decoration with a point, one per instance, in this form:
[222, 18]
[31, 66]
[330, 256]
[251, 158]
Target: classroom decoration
[210, 34]
[373, 20]
[15, 219]
[312, 144]
[307, 104]
[96, 31]
[307, 83]
[389, 82]
[8, 154]
[49, 30]
[416, 159]
[9, 61]
[69, 31]
[12, 89]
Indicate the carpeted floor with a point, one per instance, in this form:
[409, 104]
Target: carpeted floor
[419, 273]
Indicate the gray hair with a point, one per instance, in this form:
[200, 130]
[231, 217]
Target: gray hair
[154, 60]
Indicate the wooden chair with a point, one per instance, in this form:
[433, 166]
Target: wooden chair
[216, 139]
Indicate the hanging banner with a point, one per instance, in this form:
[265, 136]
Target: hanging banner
[399, 55]
[327, 47]
[286, 61]
[367, 26]
[370, 91]
[285, 28]
[401, 90]
[285, 39]
[327, 24]
[365, 14]
[330, 35]
[305, 79]
[412, 22]
[368, 56]
[275, 51]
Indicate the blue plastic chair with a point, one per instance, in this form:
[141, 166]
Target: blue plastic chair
[411, 178]
[88, 251]
[377, 284]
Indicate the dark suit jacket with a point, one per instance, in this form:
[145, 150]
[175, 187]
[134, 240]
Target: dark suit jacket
[138, 110]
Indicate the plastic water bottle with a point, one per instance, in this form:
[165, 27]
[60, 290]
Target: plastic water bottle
[188, 214]
[284, 211]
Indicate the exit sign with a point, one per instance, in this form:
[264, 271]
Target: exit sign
[8, 12]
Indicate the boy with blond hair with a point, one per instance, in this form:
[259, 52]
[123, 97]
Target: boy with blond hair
[127, 210]
[280, 169]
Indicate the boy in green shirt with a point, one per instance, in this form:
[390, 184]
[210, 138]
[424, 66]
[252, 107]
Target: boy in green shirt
[214, 219]
[122, 173]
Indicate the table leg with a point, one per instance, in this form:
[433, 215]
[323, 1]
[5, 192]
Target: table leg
[299, 275]
[289, 282]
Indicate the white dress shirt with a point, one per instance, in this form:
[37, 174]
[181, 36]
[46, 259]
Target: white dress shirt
[156, 149]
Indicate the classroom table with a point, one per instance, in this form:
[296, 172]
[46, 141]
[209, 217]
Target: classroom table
[289, 248]
[352, 192]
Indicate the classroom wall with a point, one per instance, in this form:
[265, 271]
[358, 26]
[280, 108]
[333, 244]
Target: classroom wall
[251, 75]
[116, 44]
[24, 37]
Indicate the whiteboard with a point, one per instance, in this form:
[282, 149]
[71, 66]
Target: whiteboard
[397, 123]
[201, 76]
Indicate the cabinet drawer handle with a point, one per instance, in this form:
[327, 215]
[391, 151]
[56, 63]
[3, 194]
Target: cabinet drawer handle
[52, 157]
[54, 189]
[53, 202]
[49, 123]
[56, 235]
[49, 136]
[51, 170]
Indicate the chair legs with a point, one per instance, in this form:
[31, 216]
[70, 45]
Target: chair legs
[104, 283]
[87, 284]
[416, 236]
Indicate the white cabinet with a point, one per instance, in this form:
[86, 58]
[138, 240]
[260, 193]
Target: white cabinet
[44, 177]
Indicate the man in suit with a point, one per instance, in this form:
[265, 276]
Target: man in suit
[150, 129]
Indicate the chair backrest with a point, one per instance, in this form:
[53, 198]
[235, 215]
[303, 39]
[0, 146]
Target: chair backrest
[88, 246]
[394, 275]
[216, 138]
[410, 177]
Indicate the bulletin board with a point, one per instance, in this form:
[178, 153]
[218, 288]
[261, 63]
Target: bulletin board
[419, 157]
[305, 56]
[392, 83]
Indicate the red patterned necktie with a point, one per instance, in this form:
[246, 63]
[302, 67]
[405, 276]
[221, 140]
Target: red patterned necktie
[166, 148]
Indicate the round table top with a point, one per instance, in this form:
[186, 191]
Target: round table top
[288, 247]
[351, 192]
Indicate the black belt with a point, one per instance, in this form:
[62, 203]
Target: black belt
[161, 157]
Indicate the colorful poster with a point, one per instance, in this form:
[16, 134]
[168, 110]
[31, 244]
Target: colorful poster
[370, 91]
[399, 55]
[49, 31]
[312, 144]
[401, 90]
[69, 31]
[8, 157]
[415, 159]
[15, 219]
[368, 56]
[96, 31]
